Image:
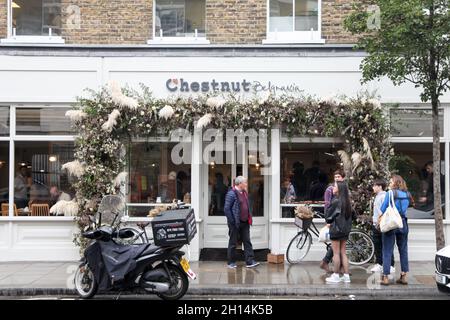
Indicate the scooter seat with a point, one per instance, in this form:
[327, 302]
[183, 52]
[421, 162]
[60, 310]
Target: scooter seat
[149, 250]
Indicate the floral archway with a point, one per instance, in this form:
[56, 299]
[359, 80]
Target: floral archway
[107, 119]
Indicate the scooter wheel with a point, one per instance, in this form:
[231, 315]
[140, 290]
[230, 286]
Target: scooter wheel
[179, 286]
[85, 282]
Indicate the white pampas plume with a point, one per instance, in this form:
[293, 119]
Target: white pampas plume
[356, 159]
[120, 179]
[375, 102]
[368, 153]
[166, 112]
[67, 208]
[119, 98]
[215, 102]
[347, 162]
[112, 121]
[204, 121]
[76, 115]
[264, 97]
[74, 168]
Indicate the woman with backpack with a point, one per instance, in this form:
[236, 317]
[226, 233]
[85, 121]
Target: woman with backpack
[402, 198]
[339, 219]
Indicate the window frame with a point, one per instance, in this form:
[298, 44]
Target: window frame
[290, 37]
[12, 38]
[174, 40]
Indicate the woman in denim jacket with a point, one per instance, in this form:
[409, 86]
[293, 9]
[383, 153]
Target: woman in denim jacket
[402, 199]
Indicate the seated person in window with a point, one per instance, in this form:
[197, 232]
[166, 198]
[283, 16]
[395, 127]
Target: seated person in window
[318, 188]
[58, 195]
[288, 191]
[39, 194]
[426, 202]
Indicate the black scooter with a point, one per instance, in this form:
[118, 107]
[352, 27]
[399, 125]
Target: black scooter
[111, 266]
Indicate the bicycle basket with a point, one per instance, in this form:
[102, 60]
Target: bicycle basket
[303, 223]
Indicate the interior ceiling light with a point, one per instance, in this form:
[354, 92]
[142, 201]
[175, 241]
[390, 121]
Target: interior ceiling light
[15, 5]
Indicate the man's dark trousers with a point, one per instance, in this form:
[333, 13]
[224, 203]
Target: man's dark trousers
[244, 233]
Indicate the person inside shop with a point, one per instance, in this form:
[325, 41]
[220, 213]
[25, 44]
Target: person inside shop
[21, 188]
[39, 194]
[288, 190]
[426, 202]
[312, 174]
[239, 217]
[298, 179]
[219, 192]
[339, 176]
[58, 195]
[318, 188]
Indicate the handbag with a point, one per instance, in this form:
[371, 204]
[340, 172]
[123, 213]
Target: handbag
[324, 234]
[391, 219]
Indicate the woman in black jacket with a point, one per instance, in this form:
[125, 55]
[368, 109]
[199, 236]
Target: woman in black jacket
[339, 219]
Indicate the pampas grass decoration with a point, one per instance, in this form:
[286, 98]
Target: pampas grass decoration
[76, 115]
[347, 162]
[119, 98]
[215, 102]
[375, 102]
[356, 159]
[74, 168]
[166, 112]
[368, 153]
[204, 121]
[120, 179]
[67, 208]
[112, 121]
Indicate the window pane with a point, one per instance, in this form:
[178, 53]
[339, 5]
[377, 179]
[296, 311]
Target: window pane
[154, 177]
[256, 188]
[43, 121]
[306, 171]
[306, 15]
[180, 18]
[414, 122]
[4, 121]
[4, 176]
[39, 179]
[413, 161]
[281, 12]
[35, 17]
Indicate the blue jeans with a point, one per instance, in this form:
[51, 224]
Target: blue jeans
[389, 238]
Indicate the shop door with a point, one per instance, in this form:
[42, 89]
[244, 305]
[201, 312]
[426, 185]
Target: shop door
[217, 179]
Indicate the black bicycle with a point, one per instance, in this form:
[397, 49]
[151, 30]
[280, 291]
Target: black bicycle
[360, 247]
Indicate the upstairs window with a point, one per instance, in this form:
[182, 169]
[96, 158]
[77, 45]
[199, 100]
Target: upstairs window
[294, 21]
[34, 21]
[179, 21]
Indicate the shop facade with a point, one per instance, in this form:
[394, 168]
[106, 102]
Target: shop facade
[39, 84]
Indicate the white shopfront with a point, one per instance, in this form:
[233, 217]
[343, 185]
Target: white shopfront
[37, 88]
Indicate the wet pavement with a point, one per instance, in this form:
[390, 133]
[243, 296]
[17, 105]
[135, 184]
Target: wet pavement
[215, 279]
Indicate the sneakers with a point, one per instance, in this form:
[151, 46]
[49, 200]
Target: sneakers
[392, 270]
[232, 265]
[334, 278]
[377, 268]
[252, 264]
[346, 278]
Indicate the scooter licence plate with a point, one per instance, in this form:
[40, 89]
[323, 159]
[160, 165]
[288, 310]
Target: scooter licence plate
[187, 268]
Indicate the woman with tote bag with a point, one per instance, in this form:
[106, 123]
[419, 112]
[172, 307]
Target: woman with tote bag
[395, 203]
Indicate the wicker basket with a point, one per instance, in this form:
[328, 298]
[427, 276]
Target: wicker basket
[303, 223]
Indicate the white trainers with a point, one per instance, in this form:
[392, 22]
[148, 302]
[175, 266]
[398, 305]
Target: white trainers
[392, 270]
[346, 278]
[377, 269]
[334, 278]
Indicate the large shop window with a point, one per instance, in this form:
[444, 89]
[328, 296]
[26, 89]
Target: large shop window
[35, 21]
[39, 181]
[307, 169]
[294, 21]
[4, 177]
[179, 21]
[4, 121]
[43, 121]
[413, 161]
[154, 178]
[414, 122]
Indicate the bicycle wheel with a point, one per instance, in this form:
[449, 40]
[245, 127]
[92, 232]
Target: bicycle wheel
[137, 238]
[360, 248]
[298, 247]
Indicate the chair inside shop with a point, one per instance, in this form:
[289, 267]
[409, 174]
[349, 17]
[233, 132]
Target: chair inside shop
[40, 210]
[5, 209]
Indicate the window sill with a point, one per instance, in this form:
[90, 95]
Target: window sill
[178, 41]
[293, 41]
[33, 39]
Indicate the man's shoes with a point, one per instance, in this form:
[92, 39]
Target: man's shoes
[252, 264]
[325, 266]
[334, 278]
[232, 265]
[377, 268]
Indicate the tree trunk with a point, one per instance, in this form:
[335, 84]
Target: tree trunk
[438, 217]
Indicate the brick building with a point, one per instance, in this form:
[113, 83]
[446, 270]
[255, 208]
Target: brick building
[51, 50]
